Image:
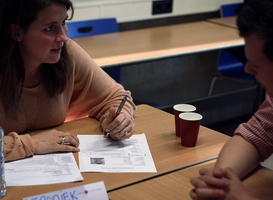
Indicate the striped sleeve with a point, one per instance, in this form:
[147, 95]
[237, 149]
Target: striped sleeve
[259, 129]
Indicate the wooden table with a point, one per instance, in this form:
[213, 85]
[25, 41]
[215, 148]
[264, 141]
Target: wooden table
[156, 43]
[225, 21]
[165, 147]
[177, 185]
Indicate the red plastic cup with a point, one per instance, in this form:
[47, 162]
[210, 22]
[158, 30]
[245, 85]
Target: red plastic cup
[178, 109]
[189, 128]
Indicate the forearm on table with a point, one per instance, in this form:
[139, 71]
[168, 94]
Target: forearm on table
[239, 155]
[18, 147]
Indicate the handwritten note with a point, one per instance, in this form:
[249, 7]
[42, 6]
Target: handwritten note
[93, 191]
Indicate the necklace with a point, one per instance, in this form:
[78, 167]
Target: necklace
[36, 110]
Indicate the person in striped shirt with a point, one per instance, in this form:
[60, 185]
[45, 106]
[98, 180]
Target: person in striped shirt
[252, 141]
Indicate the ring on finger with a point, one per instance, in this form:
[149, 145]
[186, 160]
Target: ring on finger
[63, 141]
[125, 132]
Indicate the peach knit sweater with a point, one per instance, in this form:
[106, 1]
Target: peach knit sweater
[90, 92]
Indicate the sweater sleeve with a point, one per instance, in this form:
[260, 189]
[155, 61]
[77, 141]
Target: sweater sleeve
[94, 90]
[259, 129]
[17, 147]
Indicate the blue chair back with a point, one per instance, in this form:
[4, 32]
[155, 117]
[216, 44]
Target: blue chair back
[229, 66]
[91, 27]
[230, 10]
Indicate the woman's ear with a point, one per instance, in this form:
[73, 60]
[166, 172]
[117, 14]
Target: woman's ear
[16, 32]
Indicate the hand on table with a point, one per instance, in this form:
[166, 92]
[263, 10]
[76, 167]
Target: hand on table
[119, 127]
[236, 190]
[221, 183]
[209, 185]
[51, 141]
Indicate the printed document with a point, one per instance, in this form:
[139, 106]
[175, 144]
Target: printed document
[100, 154]
[43, 169]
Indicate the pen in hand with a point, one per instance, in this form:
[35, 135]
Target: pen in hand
[106, 134]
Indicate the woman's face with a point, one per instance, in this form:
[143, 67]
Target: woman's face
[43, 40]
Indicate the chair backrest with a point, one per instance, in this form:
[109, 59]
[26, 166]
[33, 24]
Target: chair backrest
[91, 27]
[228, 64]
[230, 10]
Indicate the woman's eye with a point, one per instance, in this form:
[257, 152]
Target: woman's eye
[49, 28]
[64, 22]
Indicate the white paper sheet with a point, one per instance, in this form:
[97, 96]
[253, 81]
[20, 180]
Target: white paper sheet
[99, 154]
[93, 191]
[43, 169]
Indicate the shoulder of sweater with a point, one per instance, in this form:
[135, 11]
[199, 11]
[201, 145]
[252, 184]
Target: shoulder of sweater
[75, 51]
[72, 46]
